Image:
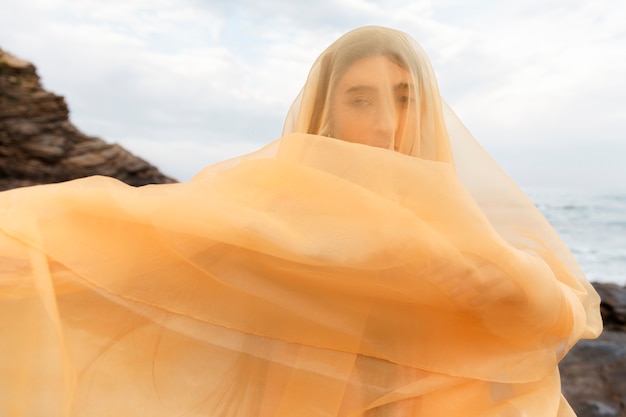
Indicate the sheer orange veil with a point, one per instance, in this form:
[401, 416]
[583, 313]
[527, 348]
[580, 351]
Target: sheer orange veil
[314, 277]
[311, 111]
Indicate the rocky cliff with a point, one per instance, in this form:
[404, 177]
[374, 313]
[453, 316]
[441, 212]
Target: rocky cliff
[38, 144]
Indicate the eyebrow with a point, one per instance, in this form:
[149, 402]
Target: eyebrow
[359, 89]
[403, 86]
[366, 88]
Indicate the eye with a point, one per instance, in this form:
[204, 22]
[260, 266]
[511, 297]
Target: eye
[361, 102]
[405, 99]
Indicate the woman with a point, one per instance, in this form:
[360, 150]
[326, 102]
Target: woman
[372, 262]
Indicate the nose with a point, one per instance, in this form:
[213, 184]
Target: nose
[384, 127]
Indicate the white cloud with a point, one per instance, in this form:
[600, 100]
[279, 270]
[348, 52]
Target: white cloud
[548, 72]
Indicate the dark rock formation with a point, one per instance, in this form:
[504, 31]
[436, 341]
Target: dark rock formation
[39, 145]
[594, 372]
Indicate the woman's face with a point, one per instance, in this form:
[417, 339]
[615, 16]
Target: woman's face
[374, 103]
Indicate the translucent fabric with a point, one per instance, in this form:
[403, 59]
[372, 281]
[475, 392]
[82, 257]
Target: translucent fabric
[401, 274]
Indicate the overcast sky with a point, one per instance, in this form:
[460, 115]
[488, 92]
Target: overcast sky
[185, 83]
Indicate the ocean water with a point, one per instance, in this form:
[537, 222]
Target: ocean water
[592, 224]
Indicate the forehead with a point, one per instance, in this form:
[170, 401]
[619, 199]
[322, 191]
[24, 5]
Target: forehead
[374, 70]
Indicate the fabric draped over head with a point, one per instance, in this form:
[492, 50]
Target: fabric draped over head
[312, 111]
[318, 276]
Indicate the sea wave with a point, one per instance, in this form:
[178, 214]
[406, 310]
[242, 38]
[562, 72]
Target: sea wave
[593, 225]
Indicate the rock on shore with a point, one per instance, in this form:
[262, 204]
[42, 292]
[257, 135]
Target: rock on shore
[594, 372]
[39, 145]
